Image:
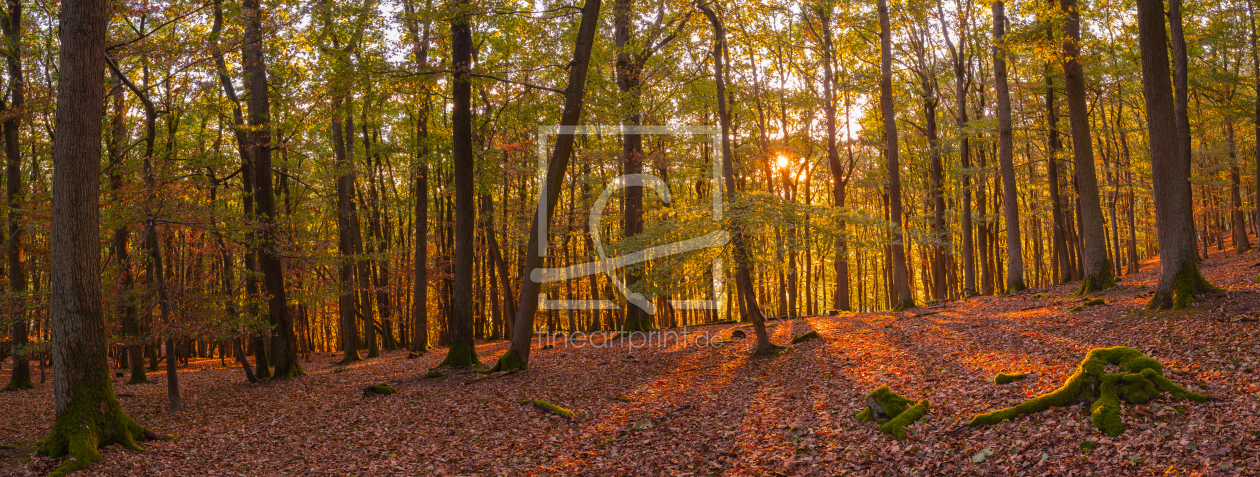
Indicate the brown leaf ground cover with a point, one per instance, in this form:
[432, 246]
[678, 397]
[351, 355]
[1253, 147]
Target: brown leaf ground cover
[679, 407]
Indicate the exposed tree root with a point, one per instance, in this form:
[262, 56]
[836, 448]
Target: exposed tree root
[549, 408]
[892, 411]
[1140, 381]
[1003, 378]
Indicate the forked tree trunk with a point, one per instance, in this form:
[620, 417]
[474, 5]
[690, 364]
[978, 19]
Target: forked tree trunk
[1179, 278]
[88, 415]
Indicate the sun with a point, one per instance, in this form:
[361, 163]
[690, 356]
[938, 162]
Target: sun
[782, 161]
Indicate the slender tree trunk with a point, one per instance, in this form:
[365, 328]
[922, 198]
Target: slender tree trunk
[88, 415]
[1006, 159]
[1241, 243]
[21, 376]
[1095, 266]
[1179, 278]
[743, 275]
[517, 356]
[840, 300]
[901, 284]
[1181, 103]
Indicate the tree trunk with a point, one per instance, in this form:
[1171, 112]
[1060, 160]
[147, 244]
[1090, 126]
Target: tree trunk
[901, 284]
[1006, 154]
[88, 415]
[1096, 268]
[462, 352]
[743, 259]
[517, 356]
[1181, 98]
[840, 300]
[21, 377]
[1179, 278]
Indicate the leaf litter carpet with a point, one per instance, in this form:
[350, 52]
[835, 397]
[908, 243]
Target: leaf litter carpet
[683, 406]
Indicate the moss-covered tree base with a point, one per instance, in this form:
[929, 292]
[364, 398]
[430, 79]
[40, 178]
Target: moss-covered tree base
[461, 355]
[891, 411]
[20, 380]
[1104, 280]
[510, 361]
[351, 357]
[549, 408]
[294, 370]
[93, 420]
[1185, 286]
[1140, 381]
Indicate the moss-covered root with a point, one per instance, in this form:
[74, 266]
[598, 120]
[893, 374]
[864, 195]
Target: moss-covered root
[294, 370]
[1181, 292]
[896, 426]
[92, 419]
[883, 404]
[381, 389]
[1003, 378]
[1140, 381]
[21, 379]
[510, 361]
[549, 408]
[461, 355]
[812, 335]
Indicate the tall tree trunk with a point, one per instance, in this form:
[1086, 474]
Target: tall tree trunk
[462, 352]
[1255, 72]
[88, 415]
[1006, 159]
[21, 377]
[901, 283]
[1096, 268]
[1239, 221]
[840, 298]
[629, 80]
[283, 342]
[1181, 99]
[743, 258]
[1179, 278]
[420, 285]
[346, 215]
[517, 356]
[958, 54]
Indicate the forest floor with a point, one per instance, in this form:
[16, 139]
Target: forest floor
[683, 408]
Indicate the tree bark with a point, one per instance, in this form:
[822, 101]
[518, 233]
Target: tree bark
[1179, 278]
[88, 415]
[21, 377]
[1096, 268]
[1006, 159]
[901, 285]
[517, 356]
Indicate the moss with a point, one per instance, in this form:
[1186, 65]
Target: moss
[1041, 295]
[461, 355]
[382, 389]
[549, 408]
[1088, 446]
[413, 355]
[620, 399]
[92, 419]
[1094, 302]
[1141, 382]
[1003, 378]
[1075, 309]
[433, 374]
[340, 369]
[510, 361]
[806, 337]
[896, 426]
